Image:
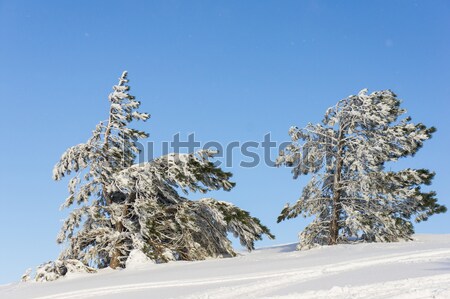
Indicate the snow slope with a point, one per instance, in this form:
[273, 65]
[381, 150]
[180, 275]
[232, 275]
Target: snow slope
[418, 269]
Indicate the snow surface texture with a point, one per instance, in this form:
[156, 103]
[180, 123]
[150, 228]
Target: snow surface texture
[418, 269]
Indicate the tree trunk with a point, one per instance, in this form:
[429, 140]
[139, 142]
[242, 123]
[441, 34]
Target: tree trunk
[115, 258]
[334, 225]
[336, 208]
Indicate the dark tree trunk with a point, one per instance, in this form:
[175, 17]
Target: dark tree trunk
[116, 257]
[336, 208]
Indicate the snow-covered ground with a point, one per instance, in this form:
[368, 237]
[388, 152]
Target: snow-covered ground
[419, 269]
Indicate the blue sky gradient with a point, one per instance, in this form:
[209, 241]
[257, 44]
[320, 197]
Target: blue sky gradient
[224, 70]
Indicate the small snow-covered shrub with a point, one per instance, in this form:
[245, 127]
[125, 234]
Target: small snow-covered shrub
[55, 269]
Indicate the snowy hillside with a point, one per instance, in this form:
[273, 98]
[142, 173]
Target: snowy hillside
[419, 269]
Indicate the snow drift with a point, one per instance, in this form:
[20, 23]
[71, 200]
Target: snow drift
[417, 269]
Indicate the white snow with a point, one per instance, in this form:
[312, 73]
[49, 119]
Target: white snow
[418, 269]
[137, 259]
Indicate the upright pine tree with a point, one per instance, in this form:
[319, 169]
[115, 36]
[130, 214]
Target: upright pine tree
[111, 149]
[122, 206]
[350, 194]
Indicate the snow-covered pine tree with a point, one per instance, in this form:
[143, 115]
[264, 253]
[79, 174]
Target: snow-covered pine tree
[350, 194]
[122, 206]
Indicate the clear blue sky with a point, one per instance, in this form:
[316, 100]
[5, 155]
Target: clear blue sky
[226, 70]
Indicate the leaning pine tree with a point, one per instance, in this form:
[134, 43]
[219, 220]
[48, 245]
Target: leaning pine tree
[122, 206]
[350, 195]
